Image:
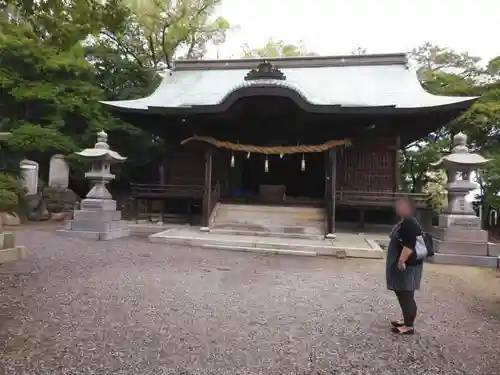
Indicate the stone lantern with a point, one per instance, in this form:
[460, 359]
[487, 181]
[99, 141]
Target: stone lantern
[100, 174]
[98, 217]
[459, 237]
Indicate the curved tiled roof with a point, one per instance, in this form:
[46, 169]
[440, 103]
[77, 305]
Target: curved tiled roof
[351, 81]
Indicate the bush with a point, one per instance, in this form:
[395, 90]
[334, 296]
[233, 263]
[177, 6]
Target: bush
[8, 200]
[10, 192]
[11, 183]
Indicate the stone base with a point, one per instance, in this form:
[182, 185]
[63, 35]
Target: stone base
[97, 236]
[98, 205]
[460, 235]
[466, 222]
[461, 248]
[12, 254]
[9, 252]
[466, 260]
[493, 249]
[455, 234]
[97, 220]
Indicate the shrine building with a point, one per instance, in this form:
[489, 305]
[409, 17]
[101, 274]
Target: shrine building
[324, 132]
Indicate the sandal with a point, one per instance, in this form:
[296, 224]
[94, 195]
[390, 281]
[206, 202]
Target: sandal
[396, 323]
[411, 331]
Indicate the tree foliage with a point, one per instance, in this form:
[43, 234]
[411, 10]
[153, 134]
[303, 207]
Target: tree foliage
[443, 71]
[59, 58]
[277, 48]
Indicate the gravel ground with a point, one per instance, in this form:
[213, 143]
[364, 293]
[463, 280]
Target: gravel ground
[130, 307]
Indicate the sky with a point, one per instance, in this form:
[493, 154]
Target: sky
[333, 27]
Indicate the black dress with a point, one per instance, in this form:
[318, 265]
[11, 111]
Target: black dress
[404, 234]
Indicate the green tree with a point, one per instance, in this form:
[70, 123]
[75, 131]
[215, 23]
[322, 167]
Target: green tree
[59, 58]
[153, 32]
[415, 164]
[48, 92]
[443, 71]
[277, 48]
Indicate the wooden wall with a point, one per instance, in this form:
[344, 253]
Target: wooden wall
[367, 166]
[361, 167]
[186, 166]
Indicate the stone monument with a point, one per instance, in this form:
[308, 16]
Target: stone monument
[98, 218]
[29, 174]
[60, 199]
[459, 238]
[58, 172]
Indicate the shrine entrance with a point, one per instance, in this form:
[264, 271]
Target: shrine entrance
[300, 176]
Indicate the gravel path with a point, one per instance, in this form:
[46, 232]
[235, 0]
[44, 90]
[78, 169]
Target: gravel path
[129, 307]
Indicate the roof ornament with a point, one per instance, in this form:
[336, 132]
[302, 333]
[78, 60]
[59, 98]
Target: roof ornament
[265, 70]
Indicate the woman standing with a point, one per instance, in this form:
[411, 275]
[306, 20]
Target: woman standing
[404, 279]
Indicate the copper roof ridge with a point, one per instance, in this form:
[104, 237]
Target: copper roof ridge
[294, 62]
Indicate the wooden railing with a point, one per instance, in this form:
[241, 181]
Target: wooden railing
[366, 199]
[157, 191]
[145, 197]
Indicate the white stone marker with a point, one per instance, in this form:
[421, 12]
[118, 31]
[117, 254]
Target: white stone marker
[58, 172]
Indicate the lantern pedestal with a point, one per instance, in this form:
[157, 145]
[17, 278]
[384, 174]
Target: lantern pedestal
[98, 219]
[461, 234]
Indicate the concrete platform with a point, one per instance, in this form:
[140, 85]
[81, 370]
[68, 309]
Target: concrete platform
[144, 228]
[466, 260]
[345, 245]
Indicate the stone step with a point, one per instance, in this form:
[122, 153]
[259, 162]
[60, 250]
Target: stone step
[284, 215]
[263, 208]
[269, 217]
[262, 250]
[266, 225]
[282, 218]
[270, 233]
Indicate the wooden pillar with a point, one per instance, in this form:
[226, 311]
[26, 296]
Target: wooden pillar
[361, 223]
[330, 186]
[205, 217]
[161, 173]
